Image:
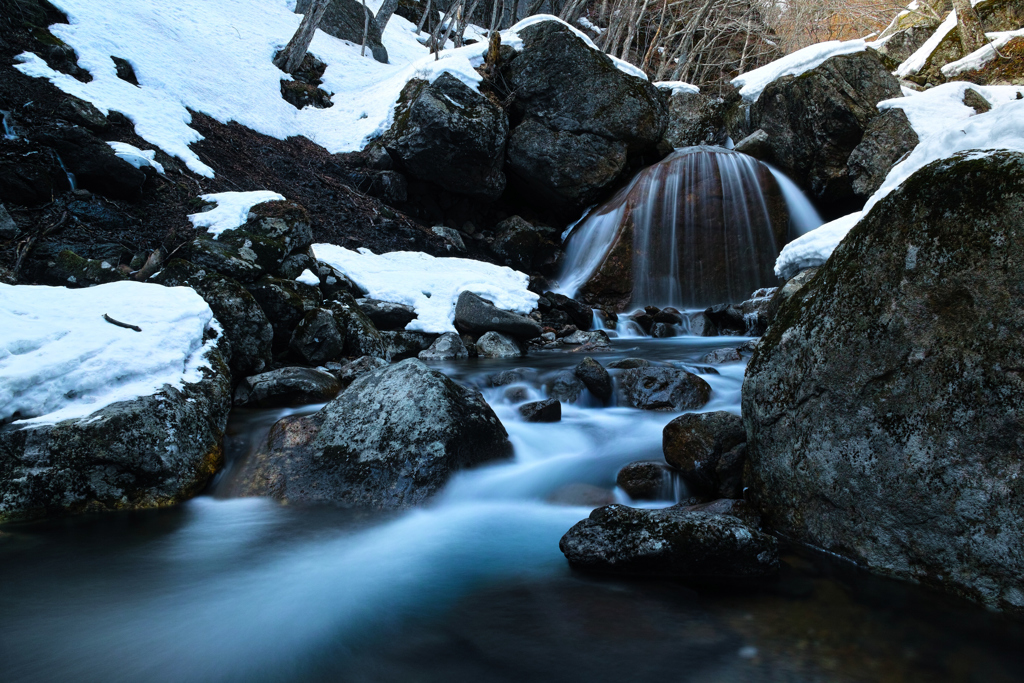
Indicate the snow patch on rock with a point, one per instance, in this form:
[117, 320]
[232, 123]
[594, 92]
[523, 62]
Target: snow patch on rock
[232, 209]
[753, 83]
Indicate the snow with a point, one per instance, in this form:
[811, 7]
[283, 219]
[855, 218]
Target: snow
[430, 285]
[916, 61]
[232, 209]
[982, 55]
[135, 156]
[308, 278]
[216, 58]
[676, 87]
[60, 360]
[511, 37]
[589, 25]
[752, 83]
[814, 248]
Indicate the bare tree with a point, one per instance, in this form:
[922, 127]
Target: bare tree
[289, 59]
[387, 9]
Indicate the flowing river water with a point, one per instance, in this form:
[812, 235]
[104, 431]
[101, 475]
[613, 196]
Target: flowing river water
[471, 587]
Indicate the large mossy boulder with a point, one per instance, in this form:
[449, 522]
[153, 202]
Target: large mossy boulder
[450, 135]
[884, 406]
[573, 99]
[391, 440]
[815, 120]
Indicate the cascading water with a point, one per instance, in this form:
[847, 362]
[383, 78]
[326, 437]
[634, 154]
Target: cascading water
[701, 227]
[803, 217]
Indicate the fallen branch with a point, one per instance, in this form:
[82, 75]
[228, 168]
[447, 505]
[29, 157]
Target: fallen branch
[121, 324]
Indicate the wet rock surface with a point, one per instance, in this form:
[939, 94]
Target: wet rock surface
[657, 388]
[548, 410]
[448, 346]
[474, 315]
[671, 542]
[287, 386]
[646, 480]
[695, 443]
[390, 440]
[892, 437]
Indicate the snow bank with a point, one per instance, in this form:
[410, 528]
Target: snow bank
[814, 248]
[216, 58]
[430, 285]
[59, 358]
[135, 156]
[232, 209]
[982, 55]
[676, 87]
[752, 83]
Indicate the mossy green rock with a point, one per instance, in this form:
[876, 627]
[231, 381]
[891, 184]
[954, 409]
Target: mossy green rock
[884, 406]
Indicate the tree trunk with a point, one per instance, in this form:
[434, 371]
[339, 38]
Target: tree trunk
[366, 29]
[969, 25]
[289, 59]
[385, 12]
[423, 19]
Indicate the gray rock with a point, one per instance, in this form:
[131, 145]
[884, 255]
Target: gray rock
[8, 229]
[285, 303]
[448, 346]
[346, 373]
[815, 120]
[719, 356]
[448, 134]
[579, 313]
[729, 471]
[391, 440]
[593, 338]
[629, 363]
[788, 290]
[361, 336]
[671, 542]
[346, 19]
[282, 221]
[662, 331]
[148, 452]
[648, 480]
[888, 138]
[755, 311]
[505, 377]
[548, 410]
[294, 265]
[386, 315]
[238, 254]
[694, 119]
[452, 237]
[884, 407]
[898, 48]
[701, 325]
[405, 344]
[317, 339]
[497, 345]
[663, 389]
[247, 331]
[756, 145]
[727, 318]
[565, 386]
[69, 269]
[694, 444]
[595, 377]
[518, 244]
[287, 386]
[473, 315]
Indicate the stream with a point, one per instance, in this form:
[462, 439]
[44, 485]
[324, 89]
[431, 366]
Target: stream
[470, 587]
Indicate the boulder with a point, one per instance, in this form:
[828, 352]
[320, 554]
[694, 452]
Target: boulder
[788, 290]
[629, 364]
[293, 266]
[497, 345]
[756, 145]
[901, 44]
[815, 120]
[755, 311]
[884, 407]
[474, 315]
[238, 254]
[147, 452]
[671, 542]
[579, 313]
[317, 339]
[694, 119]
[595, 378]
[93, 163]
[391, 440]
[663, 389]
[347, 19]
[361, 337]
[386, 315]
[68, 269]
[346, 373]
[580, 120]
[719, 356]
[405, 344]
[450, 135]
[522, 246]
[287, 386]
[285, 303]
[247, 331]
[648, 480]
[452, 238]
[695, 443]
[548, 410]
[448, 346]
[888, 138]
[701, 325]
[283, 221]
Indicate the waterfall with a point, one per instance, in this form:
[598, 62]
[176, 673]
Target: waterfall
[8, 127]
[803, 217]
[703, 226]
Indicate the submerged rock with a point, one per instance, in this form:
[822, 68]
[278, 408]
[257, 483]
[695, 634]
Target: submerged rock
[884, 407]
[287, 386]
[663, 389]
[672, 542]
[391, 440]
[548, 410]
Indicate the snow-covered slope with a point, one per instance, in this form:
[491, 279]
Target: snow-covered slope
[60, 359]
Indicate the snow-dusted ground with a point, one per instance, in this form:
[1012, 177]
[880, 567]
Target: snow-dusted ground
[216, 58]
[232, 209]
[753, 83]
[59, 358]
[430, 285]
